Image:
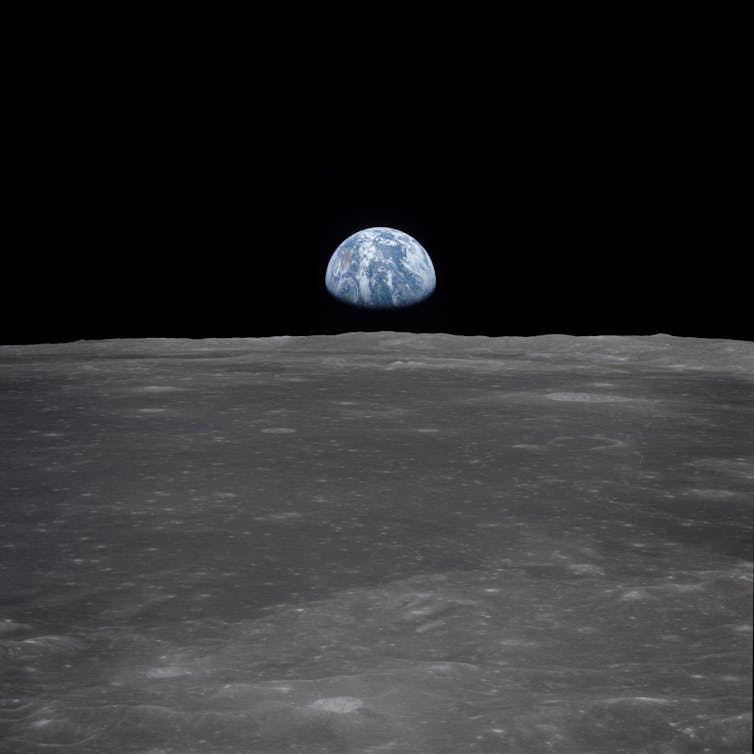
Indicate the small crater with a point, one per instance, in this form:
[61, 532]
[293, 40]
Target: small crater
[587, 397]
[340, 705]
[170, 671]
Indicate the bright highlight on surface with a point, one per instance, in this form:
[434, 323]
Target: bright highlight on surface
[380, 268]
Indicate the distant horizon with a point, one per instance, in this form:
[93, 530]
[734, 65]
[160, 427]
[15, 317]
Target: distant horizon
[371, 332]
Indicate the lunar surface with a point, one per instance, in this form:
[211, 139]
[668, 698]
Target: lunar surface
[377, 543]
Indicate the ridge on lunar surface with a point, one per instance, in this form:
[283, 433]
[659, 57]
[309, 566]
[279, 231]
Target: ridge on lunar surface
[377, 542]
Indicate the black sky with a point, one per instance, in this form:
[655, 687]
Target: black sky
[581, 198]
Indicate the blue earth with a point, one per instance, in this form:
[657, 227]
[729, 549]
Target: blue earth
[380, 268]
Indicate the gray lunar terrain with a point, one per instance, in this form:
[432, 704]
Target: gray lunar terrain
[377, 543]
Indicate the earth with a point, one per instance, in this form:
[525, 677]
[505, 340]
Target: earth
[380, 268]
